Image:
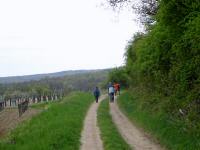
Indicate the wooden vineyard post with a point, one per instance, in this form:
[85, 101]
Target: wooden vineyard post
[22, 107]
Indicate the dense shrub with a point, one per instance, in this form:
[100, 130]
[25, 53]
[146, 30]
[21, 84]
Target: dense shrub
[165, 61]
[118, 75]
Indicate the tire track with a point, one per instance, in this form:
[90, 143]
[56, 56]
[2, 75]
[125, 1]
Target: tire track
[132, 135]
[90, 137]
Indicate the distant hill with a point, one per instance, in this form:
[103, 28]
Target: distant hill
[18, 79]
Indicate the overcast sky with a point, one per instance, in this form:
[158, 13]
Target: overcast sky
[42, 36]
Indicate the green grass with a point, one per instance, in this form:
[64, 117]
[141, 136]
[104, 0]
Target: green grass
[157, 124]
[112, 140]
[58, 127]
[43, 105]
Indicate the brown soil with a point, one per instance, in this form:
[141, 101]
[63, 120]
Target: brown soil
[9, 119]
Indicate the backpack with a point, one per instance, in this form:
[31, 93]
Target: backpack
[111, 90]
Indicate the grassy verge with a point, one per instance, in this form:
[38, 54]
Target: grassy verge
[158, 124]
[43, 105]
[112, 140]
[58, 127]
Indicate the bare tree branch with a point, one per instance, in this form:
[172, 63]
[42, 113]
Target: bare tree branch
[145, 8]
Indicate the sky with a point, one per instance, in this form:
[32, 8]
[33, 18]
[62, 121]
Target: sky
[44, 36]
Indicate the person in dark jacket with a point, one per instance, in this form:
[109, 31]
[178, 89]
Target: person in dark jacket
[96, 94]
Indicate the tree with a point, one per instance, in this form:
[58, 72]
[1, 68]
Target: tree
[147, 9]
[118, 75]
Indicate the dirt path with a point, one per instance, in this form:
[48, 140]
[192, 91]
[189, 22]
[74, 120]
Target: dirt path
[136, 138]
[9, 119]
[90, 137]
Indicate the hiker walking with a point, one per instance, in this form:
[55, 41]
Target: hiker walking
[111, 92]
[96, 94]
[115, 85]
[117, 88]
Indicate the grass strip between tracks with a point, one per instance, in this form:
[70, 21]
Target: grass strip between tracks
[112, 140]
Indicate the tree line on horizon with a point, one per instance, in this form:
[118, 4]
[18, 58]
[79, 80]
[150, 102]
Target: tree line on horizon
[59, 86]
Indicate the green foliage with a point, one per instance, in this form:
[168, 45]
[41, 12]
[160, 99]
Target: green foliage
[58, 127]
[118, 75]
[165, 61]
[112, 140]
[163, 67]
[168, 131]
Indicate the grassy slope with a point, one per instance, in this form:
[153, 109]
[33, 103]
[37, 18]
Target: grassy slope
[43, 105]
[157, 124]
[58, 127]
[112, 140]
